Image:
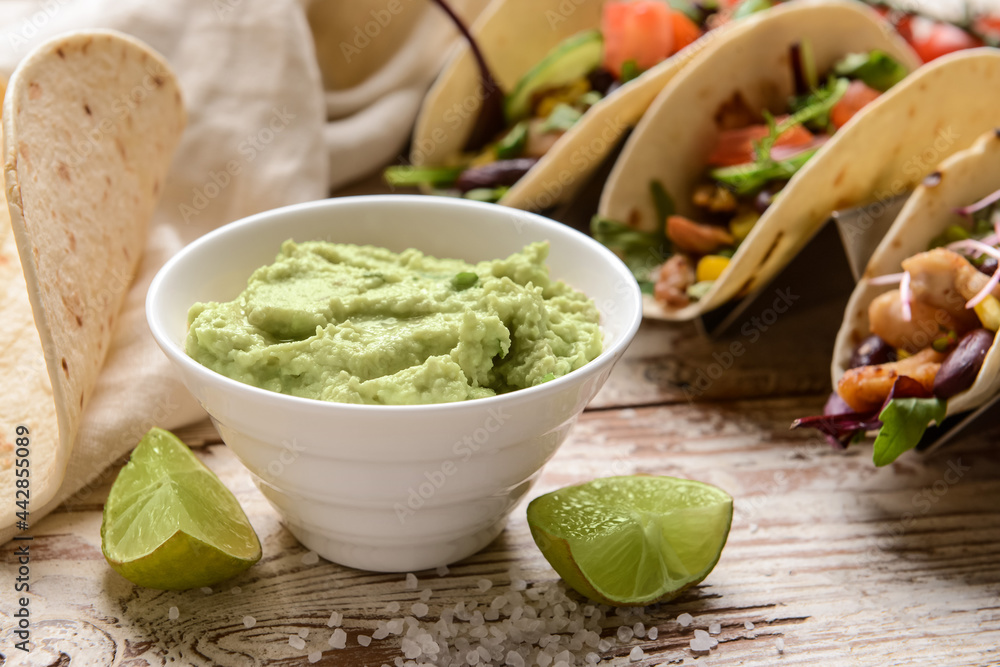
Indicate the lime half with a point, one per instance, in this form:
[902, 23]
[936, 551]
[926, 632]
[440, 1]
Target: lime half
[631, 541]
[170, 523]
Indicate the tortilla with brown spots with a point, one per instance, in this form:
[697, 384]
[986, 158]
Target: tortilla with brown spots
[90, 122]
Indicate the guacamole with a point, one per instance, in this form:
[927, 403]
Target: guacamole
[361, 324]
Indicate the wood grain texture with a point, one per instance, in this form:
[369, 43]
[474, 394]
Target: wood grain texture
[847, 564]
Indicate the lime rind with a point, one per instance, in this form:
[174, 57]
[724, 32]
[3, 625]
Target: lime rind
[632, 540]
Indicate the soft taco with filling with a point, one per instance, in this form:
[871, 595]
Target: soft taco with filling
[747, 153]
[918, 341]
[576, 75]
[90, 122]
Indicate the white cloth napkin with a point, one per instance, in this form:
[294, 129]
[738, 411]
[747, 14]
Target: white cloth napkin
[259, 92]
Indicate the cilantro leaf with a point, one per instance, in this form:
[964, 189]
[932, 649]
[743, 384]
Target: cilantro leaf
[744, 179]
[904, 421]
[876, 69]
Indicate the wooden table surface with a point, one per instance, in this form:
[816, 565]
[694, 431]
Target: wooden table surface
[844, 563]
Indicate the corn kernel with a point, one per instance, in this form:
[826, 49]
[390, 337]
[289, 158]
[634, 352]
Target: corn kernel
[988, 312]
[710, 267]
[742, 224]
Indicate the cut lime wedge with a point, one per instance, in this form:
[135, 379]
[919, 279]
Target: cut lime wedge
[170, 523]
[632, 541]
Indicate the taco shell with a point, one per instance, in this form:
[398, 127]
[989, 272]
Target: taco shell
[965, 177]
[90, 122]
[883, 151]
[514, 36]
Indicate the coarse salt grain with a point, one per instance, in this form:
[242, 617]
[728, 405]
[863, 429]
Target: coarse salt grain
[779, 644]
[364, 640]
[173, 613]
[625, 633]
[335, 619]
[310, 558]
[514, 659]
[653, 633]
[338, 639]
[748, 625]
[636, 654]
[315, 656]
[701, 634]
[304, 632]
[297, 642]
[425, 595]
[249, 621]
[206, 590]
[419, 609]
[484, 585]
[639, 630]
[411, 581]
[753, 527]
[392, 607]
[235, 590]
[685, 619]
[442, 570]
[714, 628]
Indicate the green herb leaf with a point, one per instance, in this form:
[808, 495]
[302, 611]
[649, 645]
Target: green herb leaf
[512, 144]
[562, 118]
[951, 234]
[698, 291]
[548, 377]
[402, 175]
[589, 98]
[630, 70]
[876, 69]
[464, 280]
[488, 195]
[748, 7]
[904, 421]
[641, 251]
[662, 201]
[745, 179]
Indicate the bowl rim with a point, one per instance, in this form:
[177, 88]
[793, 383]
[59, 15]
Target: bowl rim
[179, 356]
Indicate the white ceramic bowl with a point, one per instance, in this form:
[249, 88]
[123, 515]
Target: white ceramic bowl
[392, 488]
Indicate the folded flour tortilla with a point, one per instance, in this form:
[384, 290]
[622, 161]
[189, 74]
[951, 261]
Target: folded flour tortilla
[90, 122]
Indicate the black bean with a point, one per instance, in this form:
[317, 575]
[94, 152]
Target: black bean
[872, 352]
[959, 369]
[989, 266]
[494, 174]
[601, 80]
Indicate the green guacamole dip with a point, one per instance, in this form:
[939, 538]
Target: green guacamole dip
[361, 324]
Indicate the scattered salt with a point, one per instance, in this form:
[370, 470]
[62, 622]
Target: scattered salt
[701, 645]
[235, 590]
[411, 581]
[685, 619]
[310, 558]
[514, 659]
[625, 634]
[419, 609]
[249, 621]
[592, 658]
[753, 527]
[297, 642]
[425, 595]
[335, 619]
[206, 590]
[173, 613]
[636, 654]
[442, 570]
[714, 628]
[338, 639]
[748, 625]
[472, 657]
[639, 630]
[484, 585]
[701, 634]
[381, 632]
[364, 640]
[653, 633]
[315, 656]
[304, 632]
[779, 644]
[392, 607]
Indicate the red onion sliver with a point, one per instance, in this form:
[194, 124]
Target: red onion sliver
[979, 205]
[906, 296]
[888, 279]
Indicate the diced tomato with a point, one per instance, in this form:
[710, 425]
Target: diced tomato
[736, 146]
[858, 95]
[933, 39]
[686, 31]
[987, 25]
[642, 31]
